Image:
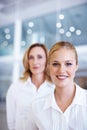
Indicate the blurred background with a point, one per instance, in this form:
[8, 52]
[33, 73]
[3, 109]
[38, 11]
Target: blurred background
[23, 22]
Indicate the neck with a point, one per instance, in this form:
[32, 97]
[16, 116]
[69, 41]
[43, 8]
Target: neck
[64, 97]
[38, 80]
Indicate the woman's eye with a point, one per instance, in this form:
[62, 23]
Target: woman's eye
[68, 64]
[55, 64]
[39, 56]
[30, 57]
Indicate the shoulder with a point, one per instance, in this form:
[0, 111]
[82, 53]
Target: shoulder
[81, 90]
[16, 83]
[15, 86]
[82, 94]
[39, 103]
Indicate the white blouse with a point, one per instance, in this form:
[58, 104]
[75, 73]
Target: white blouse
[46, 115]
[18, 99]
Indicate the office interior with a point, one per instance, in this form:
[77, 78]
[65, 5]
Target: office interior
[24, 22]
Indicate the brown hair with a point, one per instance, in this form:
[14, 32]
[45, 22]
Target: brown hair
[27, 71]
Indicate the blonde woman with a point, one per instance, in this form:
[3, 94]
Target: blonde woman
[33, 83]
[66, 108]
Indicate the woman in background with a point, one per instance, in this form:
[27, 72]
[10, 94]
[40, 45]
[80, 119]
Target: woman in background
[66, 108]
[32, 84]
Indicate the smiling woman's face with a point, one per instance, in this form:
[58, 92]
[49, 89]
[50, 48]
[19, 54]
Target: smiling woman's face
[62, 67]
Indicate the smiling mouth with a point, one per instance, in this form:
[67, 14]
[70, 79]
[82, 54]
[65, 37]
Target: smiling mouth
[61, 77]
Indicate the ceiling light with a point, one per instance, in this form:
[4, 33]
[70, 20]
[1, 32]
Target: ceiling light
[78, 32]
[31, 24]
[8, 36]
[68, 34]
[61, 31]
[7, 30]
[61, 16]
[29, 31]
[23, 43]
[58, 25]
[72, 29]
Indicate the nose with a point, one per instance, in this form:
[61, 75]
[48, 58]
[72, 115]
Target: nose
[61, 68]
[35, 61]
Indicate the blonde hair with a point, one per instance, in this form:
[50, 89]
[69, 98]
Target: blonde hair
[27, 71]
[58, 46]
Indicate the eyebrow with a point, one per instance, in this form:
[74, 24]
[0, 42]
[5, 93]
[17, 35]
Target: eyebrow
[64, 61]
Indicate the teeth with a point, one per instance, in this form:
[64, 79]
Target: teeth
[61, 76]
